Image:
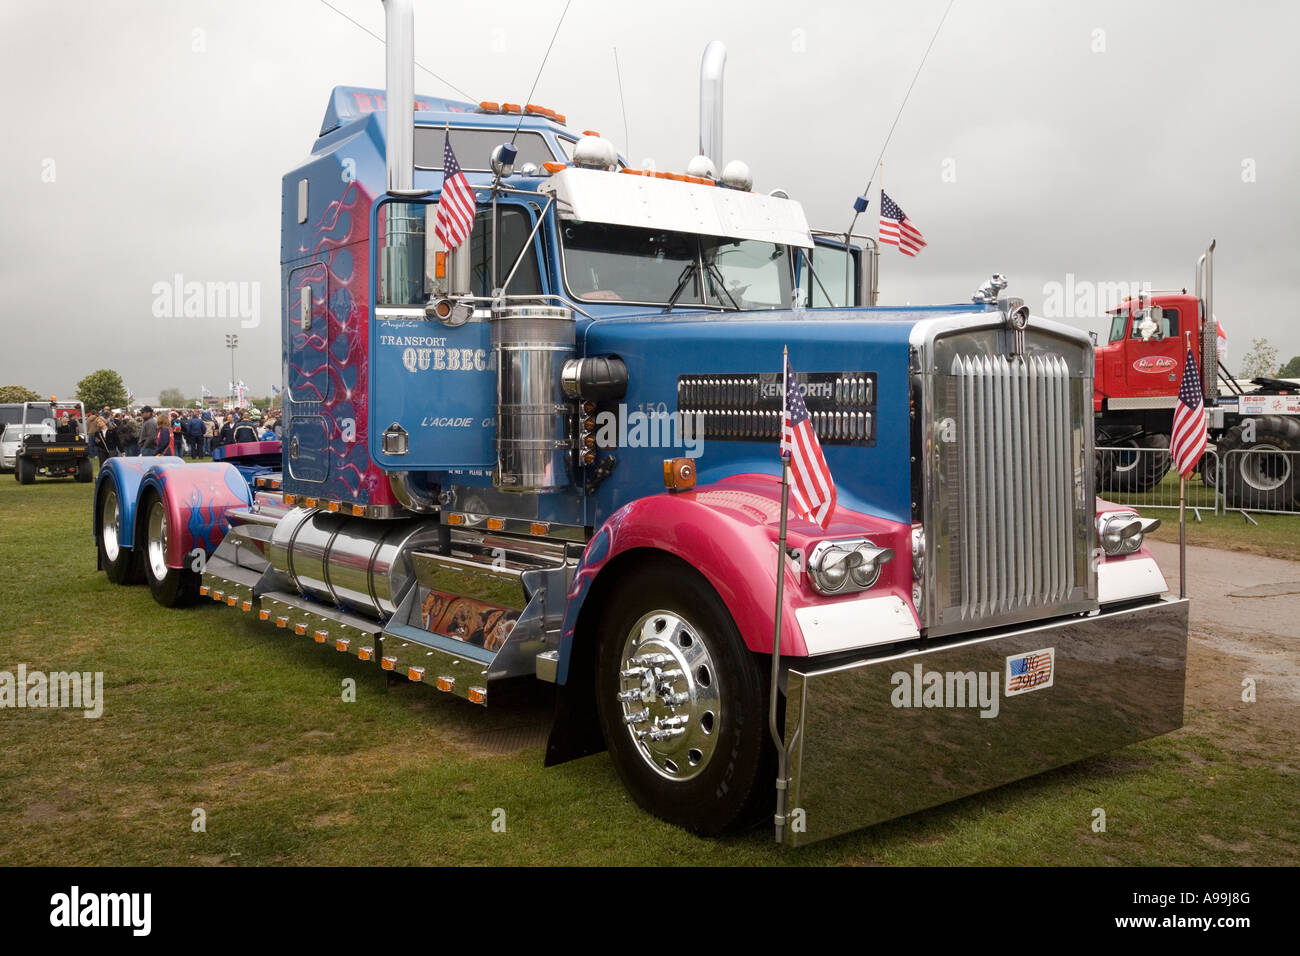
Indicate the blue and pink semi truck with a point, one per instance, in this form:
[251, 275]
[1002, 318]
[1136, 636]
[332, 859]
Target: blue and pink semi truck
[551, 453]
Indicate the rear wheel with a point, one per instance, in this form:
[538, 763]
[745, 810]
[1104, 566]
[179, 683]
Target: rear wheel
[25, 471]
[171, 587]
[683, 704]
[118, 562]
[84, 470]
[1261, 473]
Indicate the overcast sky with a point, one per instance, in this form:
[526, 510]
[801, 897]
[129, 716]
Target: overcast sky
[1107, 141]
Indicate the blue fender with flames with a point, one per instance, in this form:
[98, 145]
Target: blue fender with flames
[123, 477]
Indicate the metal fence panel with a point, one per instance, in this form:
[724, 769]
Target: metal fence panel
[1145, 478]
[1264, 479]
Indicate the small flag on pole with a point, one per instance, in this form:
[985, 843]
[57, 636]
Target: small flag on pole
[204, 390]
[896, 229]
[275, 389]
[811, 485]
[1188, 441]
[456, 205]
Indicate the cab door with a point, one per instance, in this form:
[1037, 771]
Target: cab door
[1152, 364]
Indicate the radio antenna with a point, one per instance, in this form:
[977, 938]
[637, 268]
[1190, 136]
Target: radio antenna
[441, 79]
[627, 143]
[529, 98]
[860, 207]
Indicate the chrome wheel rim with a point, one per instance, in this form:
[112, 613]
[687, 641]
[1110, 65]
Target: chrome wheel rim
[108, 518]
[668, 691]
[1264, 472]
[158, 540]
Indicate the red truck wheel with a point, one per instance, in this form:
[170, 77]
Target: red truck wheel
[683, 705]
[171, 587]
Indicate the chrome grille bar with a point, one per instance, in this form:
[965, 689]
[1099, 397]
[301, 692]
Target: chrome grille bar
[1015, 478]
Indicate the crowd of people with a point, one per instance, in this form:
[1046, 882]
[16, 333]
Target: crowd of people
[185, 433]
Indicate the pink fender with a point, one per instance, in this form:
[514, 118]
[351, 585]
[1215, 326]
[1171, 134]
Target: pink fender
[197, 496]
[728, 531]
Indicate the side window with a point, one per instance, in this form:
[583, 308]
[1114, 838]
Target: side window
[1117, 323]
[1171, 323]
[826, 283]
[515, 227]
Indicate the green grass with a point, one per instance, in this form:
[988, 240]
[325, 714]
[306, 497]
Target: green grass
[207, 708]
[1274, 535]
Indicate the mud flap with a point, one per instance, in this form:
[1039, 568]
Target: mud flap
[883, 736]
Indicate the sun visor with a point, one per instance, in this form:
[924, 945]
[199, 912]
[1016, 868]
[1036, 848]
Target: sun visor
[622, 199]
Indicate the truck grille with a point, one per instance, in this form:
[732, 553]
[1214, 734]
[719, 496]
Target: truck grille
[1012, 508]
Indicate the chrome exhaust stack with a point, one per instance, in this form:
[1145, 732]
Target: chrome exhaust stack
[711, 69]
[399, 94]
[402, 263]
[1210, 328]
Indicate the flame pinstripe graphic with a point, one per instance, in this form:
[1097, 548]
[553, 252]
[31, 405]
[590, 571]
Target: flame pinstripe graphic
[327, 370]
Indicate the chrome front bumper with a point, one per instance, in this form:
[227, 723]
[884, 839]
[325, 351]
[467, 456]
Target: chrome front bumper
[869, 746]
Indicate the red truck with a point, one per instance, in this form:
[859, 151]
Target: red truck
[1135, 390]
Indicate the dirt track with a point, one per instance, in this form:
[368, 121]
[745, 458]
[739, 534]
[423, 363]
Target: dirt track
[1245, 623]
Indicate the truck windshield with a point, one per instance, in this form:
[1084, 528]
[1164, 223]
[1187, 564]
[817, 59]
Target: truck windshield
[607, 263]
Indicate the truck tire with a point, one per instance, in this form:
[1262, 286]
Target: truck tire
[118, 561]
[25, 471]
[1137, 472]
[84, 471]
[666, 632]
[171, 587]
[1261, 480]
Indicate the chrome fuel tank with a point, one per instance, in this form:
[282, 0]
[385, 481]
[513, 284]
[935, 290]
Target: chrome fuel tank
[355, 563]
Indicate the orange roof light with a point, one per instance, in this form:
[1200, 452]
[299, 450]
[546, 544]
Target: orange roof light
[510, 108]
[553, 167]
[589, 132]
[489, 107]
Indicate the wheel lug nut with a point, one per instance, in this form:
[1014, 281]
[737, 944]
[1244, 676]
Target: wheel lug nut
[640, 717]
[632, 673]
[629, 696]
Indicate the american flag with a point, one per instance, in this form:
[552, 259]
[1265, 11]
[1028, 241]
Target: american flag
[811, 485]
[456, 206]
[896, 229]
[1029, 670]
[1188, 441]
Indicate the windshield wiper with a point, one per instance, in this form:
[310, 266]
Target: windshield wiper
[687, 274]
[716, 273]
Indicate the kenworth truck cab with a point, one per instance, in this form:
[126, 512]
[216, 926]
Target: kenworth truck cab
[552, 454]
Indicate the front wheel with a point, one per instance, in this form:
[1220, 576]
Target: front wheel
[683, 705]
[171, 587]
[25, 472]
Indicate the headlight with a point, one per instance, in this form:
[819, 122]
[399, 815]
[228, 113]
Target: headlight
[836, 567]
[1122, 532]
